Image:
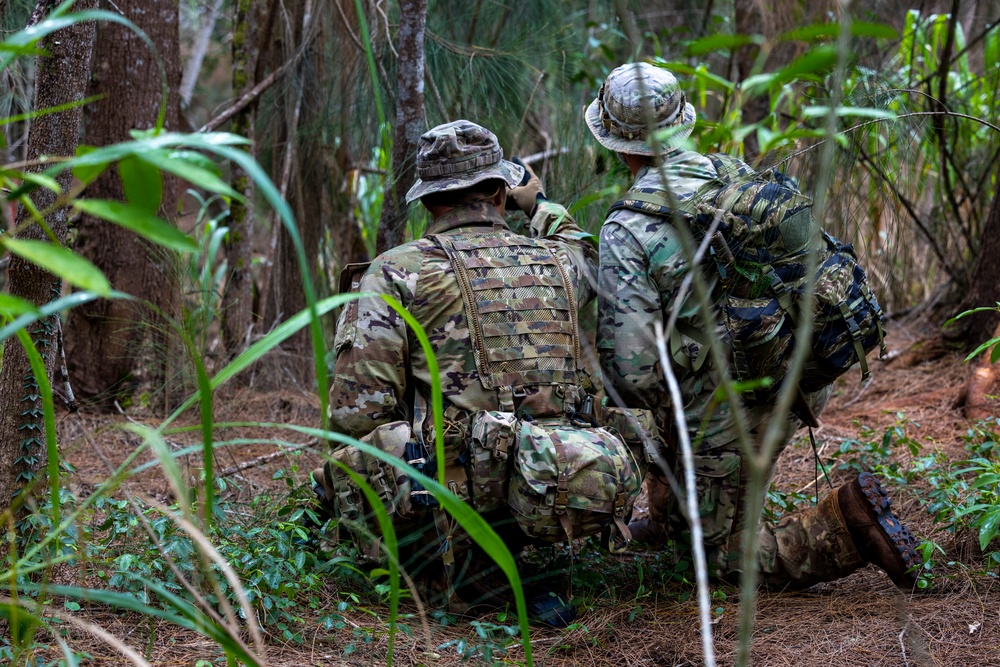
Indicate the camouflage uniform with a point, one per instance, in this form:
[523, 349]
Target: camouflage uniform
[381, 376]
[642, 265]
[376, 354]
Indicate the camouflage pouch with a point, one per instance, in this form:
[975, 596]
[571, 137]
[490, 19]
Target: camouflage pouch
[351, 507]
[491, 450]
[637, 428]
[717, 478]
[570, 481]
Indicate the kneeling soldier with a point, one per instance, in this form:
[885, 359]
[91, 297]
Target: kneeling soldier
[500, 311]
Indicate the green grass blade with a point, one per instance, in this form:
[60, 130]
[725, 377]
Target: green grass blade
[182, 613]
[253, 353]
[171, 469]
[432, 370]
[475, 525]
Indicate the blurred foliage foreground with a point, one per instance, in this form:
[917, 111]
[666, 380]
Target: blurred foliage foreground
[235, 570]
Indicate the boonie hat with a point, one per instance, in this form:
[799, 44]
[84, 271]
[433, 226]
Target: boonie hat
[632, 96]
[458, 155]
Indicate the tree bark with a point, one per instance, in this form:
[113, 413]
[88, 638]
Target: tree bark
[61, 77]
[237, 301]
[985, 287]
[105, 340]
[409, 122]
[979, 395]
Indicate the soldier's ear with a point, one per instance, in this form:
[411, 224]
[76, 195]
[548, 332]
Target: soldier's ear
[500, 199]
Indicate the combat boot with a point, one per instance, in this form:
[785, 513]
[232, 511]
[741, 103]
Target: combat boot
[648, 532]
[879, 537]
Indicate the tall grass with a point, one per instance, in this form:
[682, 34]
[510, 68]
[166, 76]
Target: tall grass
[880, 164]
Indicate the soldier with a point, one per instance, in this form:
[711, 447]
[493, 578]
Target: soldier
[525, 286]
[642, 266]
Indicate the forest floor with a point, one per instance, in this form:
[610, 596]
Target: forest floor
[633, 612]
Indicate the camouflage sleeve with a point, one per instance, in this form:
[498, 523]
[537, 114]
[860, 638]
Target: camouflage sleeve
[576, 247]
[372, 349]
[629, 303]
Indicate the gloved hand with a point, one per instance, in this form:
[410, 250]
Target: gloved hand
[526, 194]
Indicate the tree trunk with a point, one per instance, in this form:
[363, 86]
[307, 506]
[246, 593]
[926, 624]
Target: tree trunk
[237, 302]
[61, 77]
[103, 339]
[979, 395]
[283, 295]
[409, 121]
[985, 288]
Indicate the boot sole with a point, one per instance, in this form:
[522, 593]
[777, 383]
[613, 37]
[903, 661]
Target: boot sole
[893, 530]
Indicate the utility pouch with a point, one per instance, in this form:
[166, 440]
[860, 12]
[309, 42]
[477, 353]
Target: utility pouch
[351, 507]
[637, 428]
[491, 452]
[570, 482]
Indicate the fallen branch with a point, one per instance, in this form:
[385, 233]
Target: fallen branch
[247, 98]
[257, 90]
[225, 472]
[544, 155]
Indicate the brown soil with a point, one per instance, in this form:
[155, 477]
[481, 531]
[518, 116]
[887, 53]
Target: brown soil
[860, 620]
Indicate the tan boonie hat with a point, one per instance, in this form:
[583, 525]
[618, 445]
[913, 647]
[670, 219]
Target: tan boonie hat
[457, 155]
[625, 108]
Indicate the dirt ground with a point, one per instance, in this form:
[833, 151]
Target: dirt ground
[861, 620]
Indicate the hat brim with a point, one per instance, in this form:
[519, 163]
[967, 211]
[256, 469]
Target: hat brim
[504, 170]
[637, 146]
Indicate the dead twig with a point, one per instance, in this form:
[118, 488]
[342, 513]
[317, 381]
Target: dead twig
[264, 458]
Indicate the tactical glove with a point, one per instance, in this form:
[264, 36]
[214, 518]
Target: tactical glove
[526, 195]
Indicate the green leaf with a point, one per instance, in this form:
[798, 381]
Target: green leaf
[701, 73]
[61, 262]
[142, 183]
[813, 62]
[876, 30]
[721, 42]
[986, 479]
[88, 172]
[181, 163]
[988, 527]
[12, 306]
[758, 82]
[34, 178]
[981, 309]
[822, 31]
[140, 221]
[981, 348]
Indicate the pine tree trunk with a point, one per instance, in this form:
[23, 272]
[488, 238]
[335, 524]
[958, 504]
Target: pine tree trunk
[409, 121]
[102, 339]
[985, 288]
[61, 77]
[237, 303]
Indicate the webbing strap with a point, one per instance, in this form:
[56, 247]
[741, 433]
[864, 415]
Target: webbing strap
[855, 329]
[677, 351]
[505, 397]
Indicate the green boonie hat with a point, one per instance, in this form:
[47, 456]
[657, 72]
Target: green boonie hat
[632, 96]
[457, 155]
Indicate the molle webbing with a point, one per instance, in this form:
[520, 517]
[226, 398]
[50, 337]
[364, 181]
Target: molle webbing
[520, 306]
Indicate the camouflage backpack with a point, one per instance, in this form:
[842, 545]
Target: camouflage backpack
[559, 474]
[760, 252]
